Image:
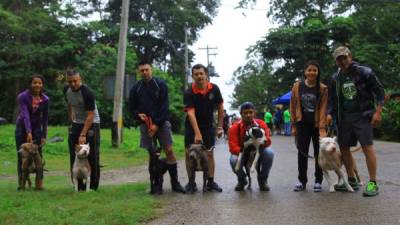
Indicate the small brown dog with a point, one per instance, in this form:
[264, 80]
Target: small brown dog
[31, 163]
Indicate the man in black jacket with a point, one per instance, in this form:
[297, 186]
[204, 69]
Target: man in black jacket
[148, 103]
[356, 101]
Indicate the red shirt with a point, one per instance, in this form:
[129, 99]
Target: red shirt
[237, 133]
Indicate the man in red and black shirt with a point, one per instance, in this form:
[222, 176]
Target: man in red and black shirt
[201, 99]
[236, 139]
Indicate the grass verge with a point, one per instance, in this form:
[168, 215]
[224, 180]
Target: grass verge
[56, 154]
[59, 204]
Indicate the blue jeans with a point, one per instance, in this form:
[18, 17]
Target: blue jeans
[266, 159]
[288, 131]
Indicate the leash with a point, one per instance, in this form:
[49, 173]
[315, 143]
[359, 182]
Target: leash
[302, 153]
[154, 148]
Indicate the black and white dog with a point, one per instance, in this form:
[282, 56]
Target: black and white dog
[250, 151]
[157, 169]
[198, 161]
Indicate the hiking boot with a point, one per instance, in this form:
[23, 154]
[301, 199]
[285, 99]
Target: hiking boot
[317, 187]
[264, 187]
[191, 187]
[213, 186]
[299, 187]
[240, 185]
[371, 190]
[342, 187]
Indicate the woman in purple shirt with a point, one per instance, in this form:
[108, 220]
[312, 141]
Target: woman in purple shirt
[31, 124]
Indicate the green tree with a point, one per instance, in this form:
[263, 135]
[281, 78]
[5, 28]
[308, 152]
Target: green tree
[156, 28]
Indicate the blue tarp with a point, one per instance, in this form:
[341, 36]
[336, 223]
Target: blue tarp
[284, 99]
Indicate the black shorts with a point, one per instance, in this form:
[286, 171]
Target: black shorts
[354, 127]
[208, 134]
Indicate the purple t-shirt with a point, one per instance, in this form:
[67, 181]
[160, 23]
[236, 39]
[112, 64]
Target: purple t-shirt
[33, 118]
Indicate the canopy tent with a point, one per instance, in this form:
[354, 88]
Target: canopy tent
[284, 99]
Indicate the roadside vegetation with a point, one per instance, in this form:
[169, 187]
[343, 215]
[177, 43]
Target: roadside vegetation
[58, 203]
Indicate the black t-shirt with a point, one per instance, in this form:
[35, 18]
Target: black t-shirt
[308, 103]
[204, 104]
[348, 94]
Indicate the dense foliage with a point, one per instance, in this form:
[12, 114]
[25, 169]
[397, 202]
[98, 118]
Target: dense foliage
[311, 30]
[50, 36]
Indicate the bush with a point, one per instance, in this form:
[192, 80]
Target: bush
[390, 127]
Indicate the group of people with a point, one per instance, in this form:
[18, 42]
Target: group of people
[353, 101]
[349, 103]
[280, 119]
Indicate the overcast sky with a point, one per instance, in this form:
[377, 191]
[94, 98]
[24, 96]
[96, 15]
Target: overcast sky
[232, 33]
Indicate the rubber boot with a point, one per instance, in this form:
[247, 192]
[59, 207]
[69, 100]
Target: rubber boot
[173, 173]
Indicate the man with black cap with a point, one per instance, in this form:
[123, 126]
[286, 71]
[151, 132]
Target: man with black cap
[356, 101]
[236, 139]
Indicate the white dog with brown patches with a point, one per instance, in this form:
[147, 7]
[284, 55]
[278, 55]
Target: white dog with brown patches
[81, 169]
[330, 159]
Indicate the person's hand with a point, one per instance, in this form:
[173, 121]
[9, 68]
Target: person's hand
[142, 116]
[82, 139]
[376, 119]
[294, 131]
[29, 138]
[42, 141]
[198, 139]
[322, 133]
[152, 130]
[329, 120]
[220, 132]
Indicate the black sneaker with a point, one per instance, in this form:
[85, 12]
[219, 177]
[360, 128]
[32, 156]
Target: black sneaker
[213, 186]
[191, 188]
[264, 187]
[342, 187]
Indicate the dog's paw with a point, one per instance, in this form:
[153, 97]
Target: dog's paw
[332, 189]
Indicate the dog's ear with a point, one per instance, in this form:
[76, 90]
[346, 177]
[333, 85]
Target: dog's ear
[77, 148]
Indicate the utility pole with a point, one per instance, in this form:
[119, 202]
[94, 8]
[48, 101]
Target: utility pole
[208, 53]
[116, 133]
[187, 73]
[210, 67]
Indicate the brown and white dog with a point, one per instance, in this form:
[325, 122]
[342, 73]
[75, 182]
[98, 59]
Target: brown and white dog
[250, 152]
[330, 158]
[81, 169]
[31, 163]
